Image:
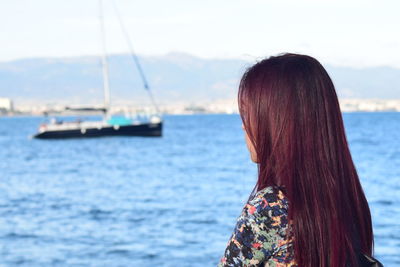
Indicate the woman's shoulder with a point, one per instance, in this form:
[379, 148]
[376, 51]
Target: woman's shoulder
[263, 228]
[268, 210]
[260, 235]
[270, 200]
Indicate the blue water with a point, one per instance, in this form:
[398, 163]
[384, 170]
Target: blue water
[169, 201]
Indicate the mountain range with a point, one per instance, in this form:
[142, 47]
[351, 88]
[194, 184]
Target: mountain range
[174, 78]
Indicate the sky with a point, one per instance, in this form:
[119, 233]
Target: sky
[342, 32]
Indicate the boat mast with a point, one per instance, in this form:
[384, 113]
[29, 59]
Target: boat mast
[135, 58]
[104, 63]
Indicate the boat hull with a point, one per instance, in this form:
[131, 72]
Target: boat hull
[146, 129]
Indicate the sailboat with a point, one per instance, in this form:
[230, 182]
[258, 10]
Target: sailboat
[109, 125]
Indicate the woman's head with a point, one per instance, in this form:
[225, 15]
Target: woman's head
[282, 94]
[293, 122]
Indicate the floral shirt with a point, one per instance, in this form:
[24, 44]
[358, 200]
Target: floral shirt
[262, 235]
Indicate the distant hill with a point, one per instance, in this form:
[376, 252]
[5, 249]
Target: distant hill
[175, 77]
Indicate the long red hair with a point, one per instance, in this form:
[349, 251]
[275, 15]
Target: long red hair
[291, 113]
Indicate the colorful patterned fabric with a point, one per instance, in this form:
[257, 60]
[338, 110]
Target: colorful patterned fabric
[262, 235]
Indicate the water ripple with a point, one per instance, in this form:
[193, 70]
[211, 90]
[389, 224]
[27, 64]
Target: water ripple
[169, 201]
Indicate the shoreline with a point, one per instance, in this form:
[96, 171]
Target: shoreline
[17, 115]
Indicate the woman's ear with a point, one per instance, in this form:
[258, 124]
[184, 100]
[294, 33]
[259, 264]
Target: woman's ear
[250, 146]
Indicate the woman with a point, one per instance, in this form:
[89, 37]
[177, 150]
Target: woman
[308, 207]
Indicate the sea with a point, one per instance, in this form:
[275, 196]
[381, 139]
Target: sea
[169, 201]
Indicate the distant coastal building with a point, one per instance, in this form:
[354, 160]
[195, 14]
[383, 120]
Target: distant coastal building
[6, 105]
[369, 105]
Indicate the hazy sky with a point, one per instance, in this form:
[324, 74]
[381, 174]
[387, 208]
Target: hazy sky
[343, 32]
